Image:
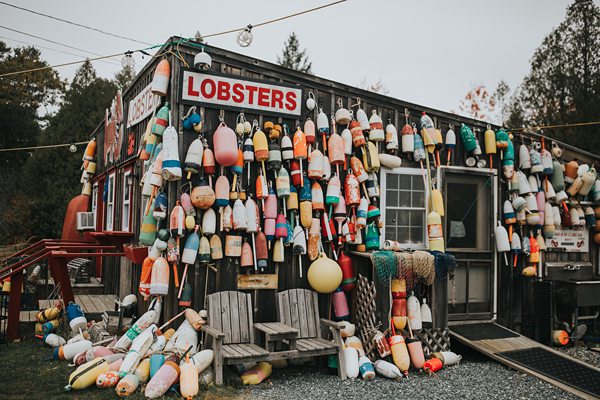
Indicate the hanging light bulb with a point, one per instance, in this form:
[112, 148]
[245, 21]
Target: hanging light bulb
[244, 38]
[72, 148]
[128, 61]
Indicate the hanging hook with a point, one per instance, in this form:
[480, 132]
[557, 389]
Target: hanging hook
[221, 115]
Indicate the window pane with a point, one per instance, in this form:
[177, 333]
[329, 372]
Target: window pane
[390, 233]
[391, 181]
[405, 181]
[404, 199]
[391, 198]
[416, 218]
[403, 235]
[418, 199]
[417, 183]
[416, 234]
[403, 217]
[391, 217]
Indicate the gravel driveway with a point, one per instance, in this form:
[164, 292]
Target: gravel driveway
[475, 378]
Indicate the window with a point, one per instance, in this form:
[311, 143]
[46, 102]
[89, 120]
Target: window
[404, 207]
[95, 197]
[125, 216]
[469, 211]
[110, 203]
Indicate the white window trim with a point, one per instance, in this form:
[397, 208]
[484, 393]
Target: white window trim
[383, 183]
[95, 197]
[110, 201]
[125, 224]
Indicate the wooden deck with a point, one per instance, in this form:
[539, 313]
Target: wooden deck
[491, 348]
[90, 304]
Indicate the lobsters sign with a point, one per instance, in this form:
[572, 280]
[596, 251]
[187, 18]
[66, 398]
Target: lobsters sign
[232, 92]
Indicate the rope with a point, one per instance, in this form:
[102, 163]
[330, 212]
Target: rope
[385, 265]
[41, 147]
[423, 266]
[444, 263]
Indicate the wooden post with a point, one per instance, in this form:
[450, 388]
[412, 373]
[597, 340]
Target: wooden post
[125, 272]
[14, 306]
[439, 303]
[61, 275]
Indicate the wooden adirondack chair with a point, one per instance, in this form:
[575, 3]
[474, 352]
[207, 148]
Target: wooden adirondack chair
[231, 327]
[299, 308]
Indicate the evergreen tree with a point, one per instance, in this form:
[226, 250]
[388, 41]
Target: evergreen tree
[563, 86]
[51, 176]
[124, 77]
[21, 96]
[293, 58]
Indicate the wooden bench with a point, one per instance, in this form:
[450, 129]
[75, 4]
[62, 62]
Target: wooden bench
[231, 327]
[299, 308]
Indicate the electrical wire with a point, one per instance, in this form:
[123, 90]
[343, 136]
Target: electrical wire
[186, 40]
[533, 128]
[74, 23]
[50, 41]
[48, 146]
[56, 50]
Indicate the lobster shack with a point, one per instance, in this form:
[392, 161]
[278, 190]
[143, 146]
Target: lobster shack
[230, 173]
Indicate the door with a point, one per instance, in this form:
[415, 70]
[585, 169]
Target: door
[470, 205]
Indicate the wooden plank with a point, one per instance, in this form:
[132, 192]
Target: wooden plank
[86, 304]
[214, 311]
[315, 302]
[243, 350]
[235, 317]
[243, 313]
[302, 315]
[265, 328]
[310, 314]
[230, 352]
[257, 281]
[294, 321]
[286, 315]
[250, 317]
[225, 317]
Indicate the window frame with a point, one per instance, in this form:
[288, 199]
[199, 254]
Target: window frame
[110, 203]
[383, 183]
[126, 201]
[94, 207]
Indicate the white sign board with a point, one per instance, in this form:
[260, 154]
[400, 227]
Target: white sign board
[141, 106]
[571, 240]
[225, 91]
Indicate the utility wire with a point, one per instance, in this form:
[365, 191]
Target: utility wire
[532, 128]
[40, 147]
[56, 50]
[160, 45]
[73, 23]
[48, 40]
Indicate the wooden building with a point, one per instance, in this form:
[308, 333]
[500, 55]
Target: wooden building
[483, 288]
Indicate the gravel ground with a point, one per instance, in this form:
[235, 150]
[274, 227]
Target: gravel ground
[473, 379]
[580, 352]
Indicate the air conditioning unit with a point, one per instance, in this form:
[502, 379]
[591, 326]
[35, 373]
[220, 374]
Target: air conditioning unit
[86, 221]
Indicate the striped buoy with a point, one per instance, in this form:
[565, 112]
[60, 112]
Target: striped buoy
[160, 80]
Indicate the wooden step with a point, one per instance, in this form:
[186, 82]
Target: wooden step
[95, 287]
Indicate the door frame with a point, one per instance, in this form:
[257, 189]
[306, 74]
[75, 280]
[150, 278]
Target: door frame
[493, 253]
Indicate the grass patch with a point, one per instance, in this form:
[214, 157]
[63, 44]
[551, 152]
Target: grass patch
[26, 373]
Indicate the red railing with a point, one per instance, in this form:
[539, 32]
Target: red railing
[57, 252]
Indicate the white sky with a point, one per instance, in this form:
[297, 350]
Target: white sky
[427, 52]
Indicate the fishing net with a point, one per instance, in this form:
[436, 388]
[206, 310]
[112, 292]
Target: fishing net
[385, 265]
[423, 266]
[444, 264]
[404, 262]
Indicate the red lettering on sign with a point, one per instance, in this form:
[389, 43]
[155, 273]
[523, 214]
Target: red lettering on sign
[290, 98]
[251, 90]
[238, 94]
[263, 97]
[191, 91]
[277, 99]
[223, 92]
[204, 85]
